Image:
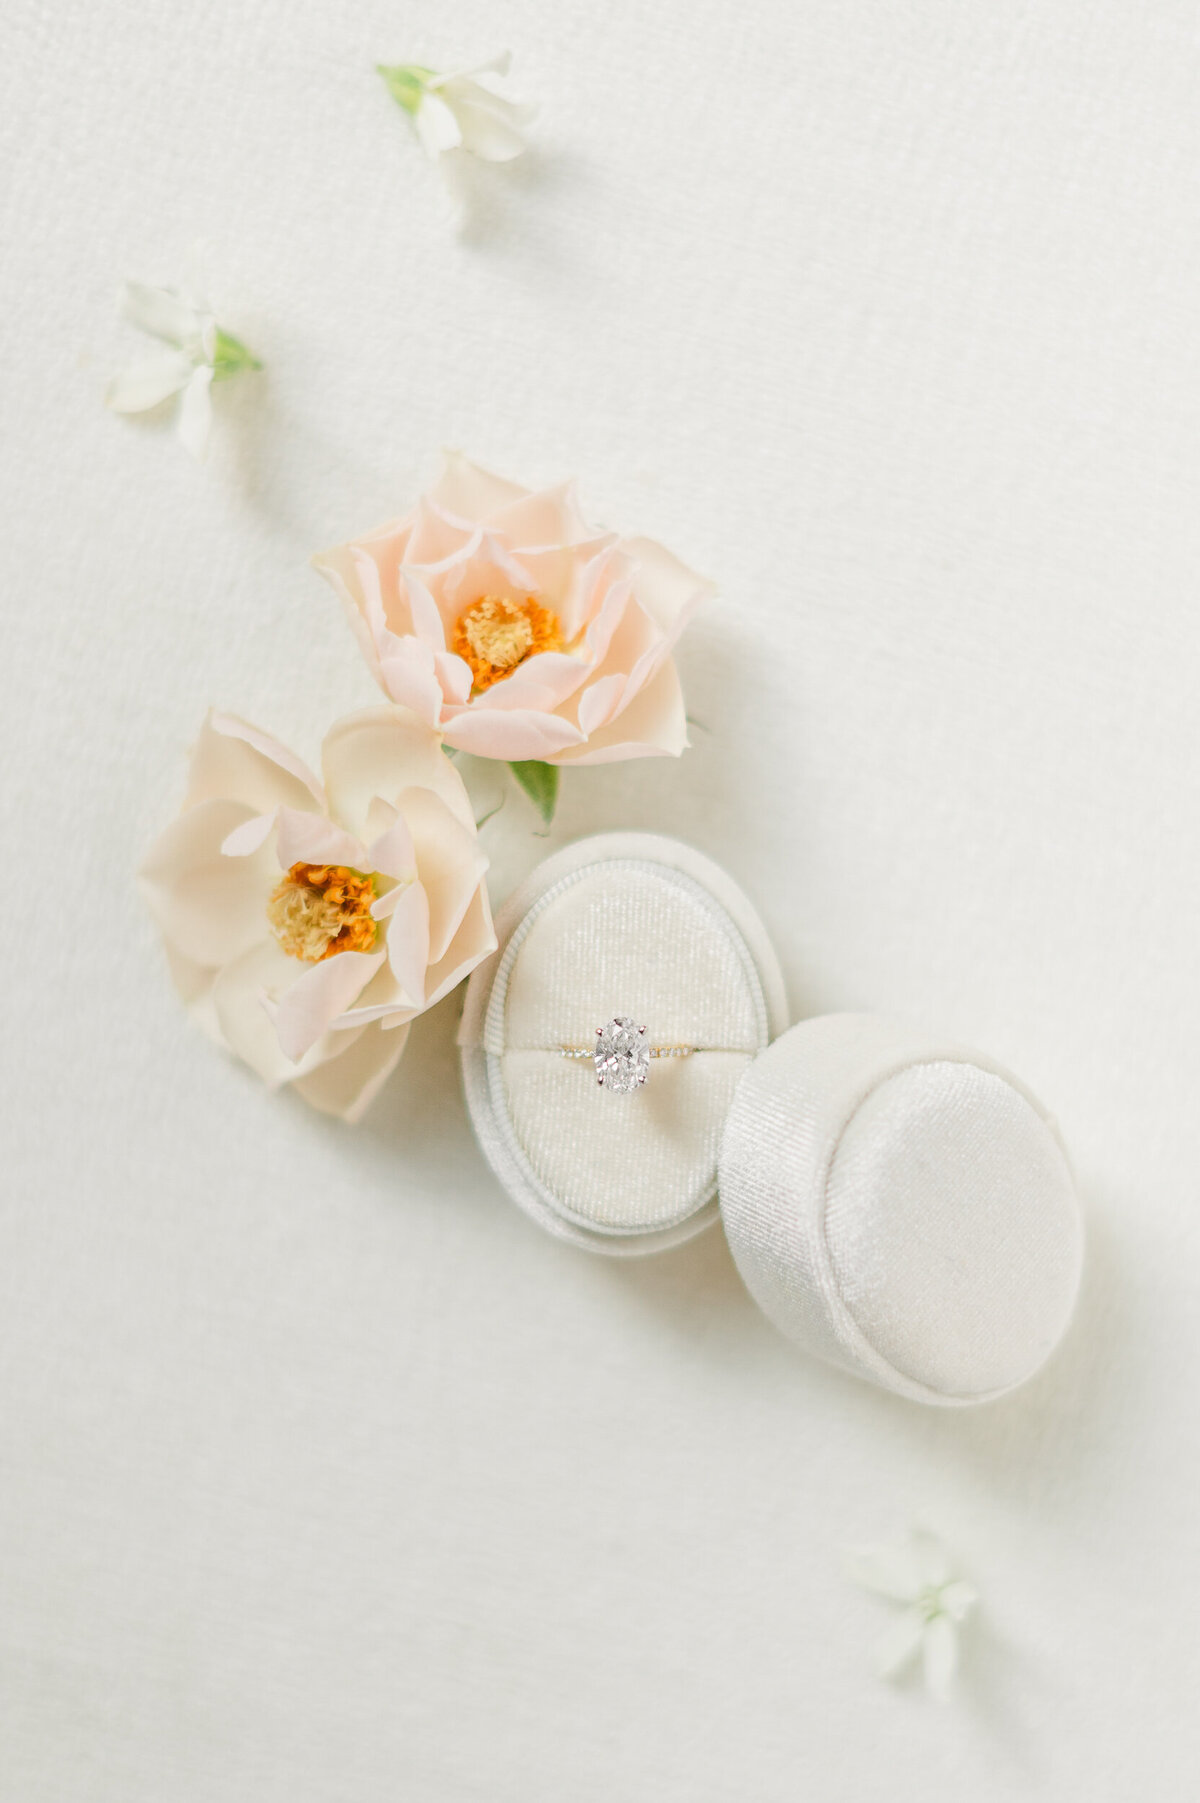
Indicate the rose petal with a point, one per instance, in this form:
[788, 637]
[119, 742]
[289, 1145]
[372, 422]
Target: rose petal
[651, 660]
[474, 941]
[604, 609]
[653, 725]
[423, 610]
[325, 990]
[451, 864]
[455, 573]
[437, 537]
[599, 702]
[454, 674]
[210, 908]
[244, 995]
[383, 604]
[384, 751]
[235, 760]
[313, 839]
[542, 684]
[471, 493]
[408, 673]
[550, 573]
[634, 636]
[383, 999]
[341, 568]
[550, 516]
[514, 737]
[665, 587]
[498, 568]
[485, 566]
[408, 943]
[391, 850]
[346, 1086]
[244, 840]
[384, 905]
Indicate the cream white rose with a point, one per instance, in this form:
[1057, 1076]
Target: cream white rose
[307, 922]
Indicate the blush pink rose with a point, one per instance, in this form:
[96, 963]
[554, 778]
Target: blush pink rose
[518, 631]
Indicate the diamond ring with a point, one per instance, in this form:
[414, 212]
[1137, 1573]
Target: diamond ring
[621, 1055]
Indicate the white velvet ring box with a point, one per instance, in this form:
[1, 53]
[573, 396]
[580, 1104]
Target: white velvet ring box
[900, 1207]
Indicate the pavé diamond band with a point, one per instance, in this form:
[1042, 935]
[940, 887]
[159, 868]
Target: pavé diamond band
[621, 1056]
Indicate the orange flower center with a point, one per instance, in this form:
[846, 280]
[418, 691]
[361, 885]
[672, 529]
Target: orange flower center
[494, 636]
[320, 909]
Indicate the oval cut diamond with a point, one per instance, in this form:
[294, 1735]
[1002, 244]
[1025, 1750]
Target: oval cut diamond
[622, 1057]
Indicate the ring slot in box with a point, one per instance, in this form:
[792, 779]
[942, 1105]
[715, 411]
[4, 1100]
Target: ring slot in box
[624, 923]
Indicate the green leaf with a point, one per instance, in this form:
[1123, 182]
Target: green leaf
[406, 83]
[230, 356]
[540, 783]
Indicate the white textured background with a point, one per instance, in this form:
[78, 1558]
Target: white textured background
[323, 1476]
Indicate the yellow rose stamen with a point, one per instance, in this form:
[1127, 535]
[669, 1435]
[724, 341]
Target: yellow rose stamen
[320, 909]
[494, 636]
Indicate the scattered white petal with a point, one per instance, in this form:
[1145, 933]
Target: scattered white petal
[161, 312]
[489, 127]
[941, 1656]
[462, 109]
[918, 1574]
[146, 384]
[958, 1599]
[195, 412]
[437, 126]
[202, 354]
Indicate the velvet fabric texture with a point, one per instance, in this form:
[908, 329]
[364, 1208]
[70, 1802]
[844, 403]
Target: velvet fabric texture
[901, 1208]
[623, 923]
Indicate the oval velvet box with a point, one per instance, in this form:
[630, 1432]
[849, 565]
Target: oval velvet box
[902, 1208]
[619, 924]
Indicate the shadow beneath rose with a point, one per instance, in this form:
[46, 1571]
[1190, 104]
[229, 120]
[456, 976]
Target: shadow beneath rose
[418, 1124]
